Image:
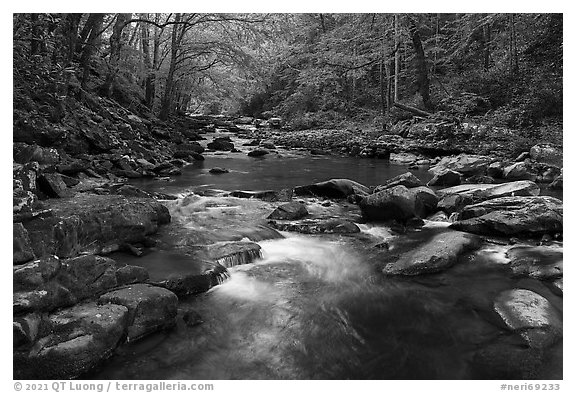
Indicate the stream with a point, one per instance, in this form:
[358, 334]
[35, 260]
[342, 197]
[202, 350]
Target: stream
[317, 306]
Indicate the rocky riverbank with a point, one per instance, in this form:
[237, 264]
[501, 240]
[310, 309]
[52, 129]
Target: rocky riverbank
[73, 304]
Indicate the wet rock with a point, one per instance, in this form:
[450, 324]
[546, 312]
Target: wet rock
[438, 254]
[519, 171]
[407, 180]
[284, 195]
[234, 253]
[131, 274]
[543, 263]
[221, 144]
[465, 164]
[289, 211]
[218, 171]
[403, 158]
[150, 308]
[190, 317]
[445, 177]
[89, 223]
[312, 226]
[333, 188]
[258, 153]
[130, 174]
[319, 152]
[438, 216]
[25, 329]
[22, 250]
[530, 315]
[398, 203]
[548, 154]
[507, 216]
[480, 179]
[507, 361]
[557, 286]
[79, 338]
[53, 186]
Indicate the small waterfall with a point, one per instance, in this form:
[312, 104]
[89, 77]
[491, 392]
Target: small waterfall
[240, 258]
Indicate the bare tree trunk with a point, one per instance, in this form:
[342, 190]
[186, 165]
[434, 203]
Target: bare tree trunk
[91, 32]
[167, 98]
[422, 82]
[115, 48]
[396, 56]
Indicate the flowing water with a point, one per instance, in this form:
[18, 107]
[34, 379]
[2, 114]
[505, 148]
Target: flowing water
[316, 306]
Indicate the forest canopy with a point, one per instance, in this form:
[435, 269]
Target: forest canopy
[312, 70]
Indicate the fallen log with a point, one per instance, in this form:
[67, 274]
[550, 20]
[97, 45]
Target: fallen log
[411, 109]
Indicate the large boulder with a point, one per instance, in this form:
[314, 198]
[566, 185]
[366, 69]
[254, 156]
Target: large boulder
[466, 164]
[333, 188]
[407, 180]
[289, 211]
[50, 283]
[438, 254]
[520, 171]
[547, 154]
[150, 308]
[258, 153]
[221, 143]
[399, 203]
[184, 150]
[71, 342]
[453, 199]
[94, 223]
[519, 215]
[530, 315]
[446, 177]
[538, 262]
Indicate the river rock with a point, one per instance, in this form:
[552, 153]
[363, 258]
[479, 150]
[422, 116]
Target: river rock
[547, 154]
[520, 215]
[452, 203]
[289, 211]
[407, 180]
[446, 177]
[75, 340]
[399, 203]
[258, 153]
[495, 170]
[150, 308]
[482, 192]
[22, 249]
[187, 149]
[218, 171]
[130, 274]
[557, 286]
[312, 226]
[26, 175]
[530, 315]
[267, 145]
[438, 254]
[557, 183]
[284, 195]
[234, 253]
[221, 144]
[466, 164]
[49, 283]
[90, 223]
[519, 171]
[543, 263]
[333, 188]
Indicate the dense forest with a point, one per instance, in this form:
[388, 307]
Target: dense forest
[313, 70]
